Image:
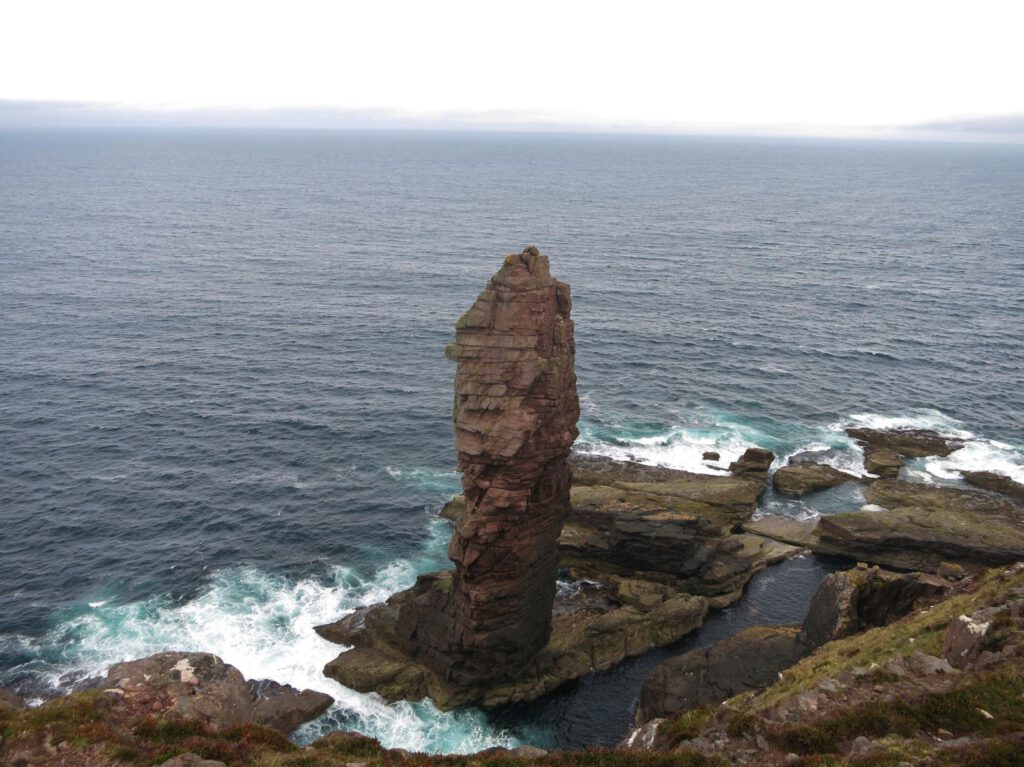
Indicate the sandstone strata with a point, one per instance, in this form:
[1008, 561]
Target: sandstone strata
[748, 660]
[845, 603]
[515, 421]
[996, 482]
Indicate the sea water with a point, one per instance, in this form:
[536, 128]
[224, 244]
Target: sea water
[225, 412]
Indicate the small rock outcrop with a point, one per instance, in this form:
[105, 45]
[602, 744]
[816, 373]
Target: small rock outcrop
[805, 477]
[203, 688]
[885, 449]
[996, 482]
[755, 462]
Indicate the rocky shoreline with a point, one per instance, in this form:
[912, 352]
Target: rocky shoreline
[566, 564]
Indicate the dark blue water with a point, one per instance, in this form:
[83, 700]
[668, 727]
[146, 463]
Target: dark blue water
[225, 409]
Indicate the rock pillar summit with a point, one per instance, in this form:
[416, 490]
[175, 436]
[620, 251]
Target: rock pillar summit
[515, 421]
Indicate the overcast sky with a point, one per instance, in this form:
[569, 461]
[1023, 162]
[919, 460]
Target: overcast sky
[821, 66]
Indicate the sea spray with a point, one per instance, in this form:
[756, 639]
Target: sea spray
[262, 624]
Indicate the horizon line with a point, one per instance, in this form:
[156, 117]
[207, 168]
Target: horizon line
[57, 115]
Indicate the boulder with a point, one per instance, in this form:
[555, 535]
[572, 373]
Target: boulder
[802, 478]
[284, 708]
[749, 660]
[711, 455]
[755, 462]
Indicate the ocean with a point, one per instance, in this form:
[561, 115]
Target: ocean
[225, 411]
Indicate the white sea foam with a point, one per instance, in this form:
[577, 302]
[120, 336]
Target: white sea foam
[977, 454]
[263, 624]
[676, 448]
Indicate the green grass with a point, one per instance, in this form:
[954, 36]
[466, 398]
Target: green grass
[957, 710]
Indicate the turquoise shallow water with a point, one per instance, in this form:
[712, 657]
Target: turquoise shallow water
[225, 410]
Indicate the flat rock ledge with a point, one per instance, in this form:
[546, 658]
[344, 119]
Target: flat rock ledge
[912, 526]
[645, 552]
[594, 627]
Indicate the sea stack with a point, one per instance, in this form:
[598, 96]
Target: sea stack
[515, 416]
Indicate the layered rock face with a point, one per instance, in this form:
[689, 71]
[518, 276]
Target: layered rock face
[515, 421]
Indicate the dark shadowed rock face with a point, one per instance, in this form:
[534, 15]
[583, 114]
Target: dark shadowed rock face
[749, 660]
[855, 600]
[515, 421]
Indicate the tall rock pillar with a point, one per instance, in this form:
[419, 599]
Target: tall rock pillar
[515, 421]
